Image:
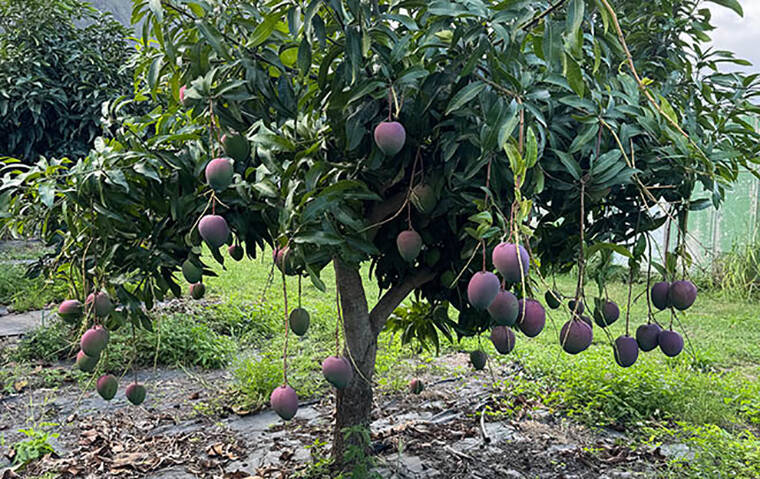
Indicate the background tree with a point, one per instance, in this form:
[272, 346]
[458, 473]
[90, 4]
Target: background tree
[60, 60]
[525, 121]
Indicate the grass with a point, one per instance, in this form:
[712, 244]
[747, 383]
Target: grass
[27, 294]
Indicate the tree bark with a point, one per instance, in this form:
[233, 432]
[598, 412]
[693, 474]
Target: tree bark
[361, 329]
[354, 403]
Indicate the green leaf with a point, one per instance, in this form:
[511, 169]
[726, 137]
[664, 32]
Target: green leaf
[157, 9]
[264, 30]
[47, 193]
[531, 149]
[668, 109]
[214, 38]
[570, 164]
[595, 248]
[732, 4]
[574, 76]
[575, 10]
[465, 95]
[304, 57]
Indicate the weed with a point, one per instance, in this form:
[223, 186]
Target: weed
[255, 378]
[35, 446]
[362, 464]
[716, 452]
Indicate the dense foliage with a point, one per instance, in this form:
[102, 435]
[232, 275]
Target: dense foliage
[525, 118]
[60, 60]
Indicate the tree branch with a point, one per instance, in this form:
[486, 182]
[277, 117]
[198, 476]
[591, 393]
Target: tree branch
[391, 299]
[532, 23]
[385, 211]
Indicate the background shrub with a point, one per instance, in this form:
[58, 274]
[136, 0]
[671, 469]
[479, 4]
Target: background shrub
[59, 61]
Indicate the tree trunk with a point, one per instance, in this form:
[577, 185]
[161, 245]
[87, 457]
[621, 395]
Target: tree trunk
[354, 403]
[361, 328]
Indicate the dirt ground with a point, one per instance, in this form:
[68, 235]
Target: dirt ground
[459, 427]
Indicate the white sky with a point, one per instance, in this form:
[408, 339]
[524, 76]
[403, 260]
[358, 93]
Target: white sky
[737, 34]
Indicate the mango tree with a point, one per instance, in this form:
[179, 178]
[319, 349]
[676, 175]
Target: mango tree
[436, 141]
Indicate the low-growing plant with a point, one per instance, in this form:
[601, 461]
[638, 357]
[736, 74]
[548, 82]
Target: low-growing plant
[51, 342]
[595, 392]
[735, 272]
[25, 293]
[177, 340]
[255, 378]
[713, 452]
[35, 446]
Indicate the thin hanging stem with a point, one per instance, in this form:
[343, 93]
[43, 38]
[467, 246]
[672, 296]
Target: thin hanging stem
[483, 246]
[299, 291]
[649, 279]
[630, 285]
[390, 103]
[581, 253]
[667, 243]
[287, 331]
[337, 320]
[134, 352]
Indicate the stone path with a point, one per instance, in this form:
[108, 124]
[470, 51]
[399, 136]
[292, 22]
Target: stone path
[18, 324]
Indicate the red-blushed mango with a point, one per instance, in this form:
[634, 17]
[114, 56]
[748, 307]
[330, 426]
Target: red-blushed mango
[107, 386]
[504, 309]
[100, 304]
[682, 294]
[423, 198]
[503, 339]
[213, 230]
[337, 371]
[284, 401]
[100, 329]
[409, 244]
[236, 252]
[482, 289]
[552, 299]
[575, 336]
[299, 321]
[626, 351]
[219, 173]
[86, 362]
[587, 320]
[478, 359]
[416, 386]
[197, 290]
[191, 272]
[70, 310]
[531, 317]
[390, 137]
[93, 342]
[671, 343]
[135, 393]
[236, 146]
[285, 260]
[182, 94]
[512, 268]
[646, 336]
[659, 295]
